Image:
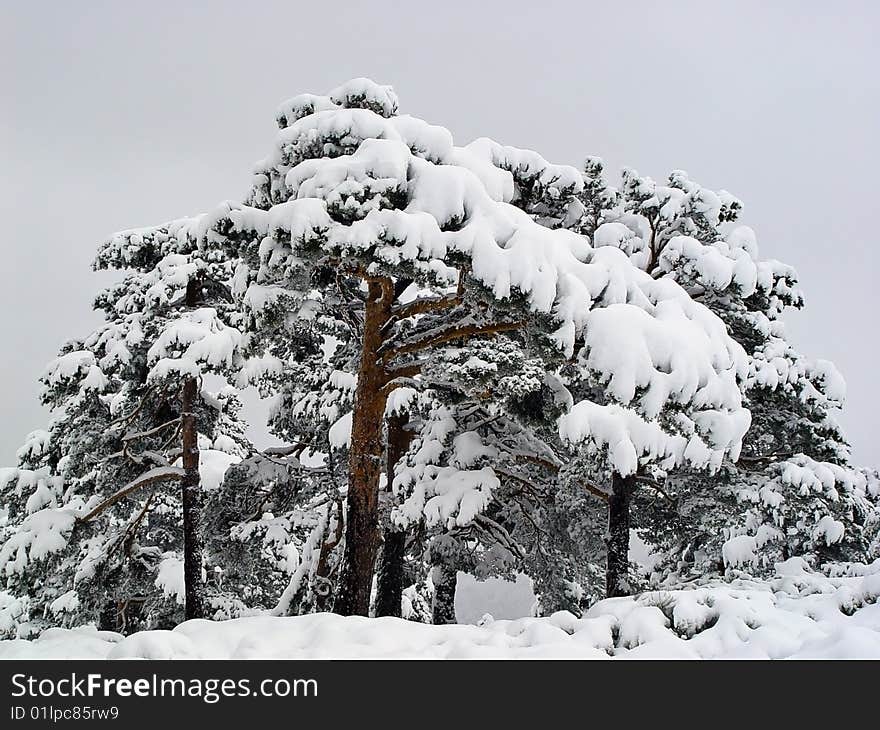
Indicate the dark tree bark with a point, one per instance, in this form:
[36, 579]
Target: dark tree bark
[192, 505]
[191, 488]
[108, 618]
[365, 460]
[389, 584]
[445, 578]
[617, 565]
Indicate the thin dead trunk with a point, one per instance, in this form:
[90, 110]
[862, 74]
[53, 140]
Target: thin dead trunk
[445, 578]
[191, 488]
[617, 561]
[365, 461]
[389, 583]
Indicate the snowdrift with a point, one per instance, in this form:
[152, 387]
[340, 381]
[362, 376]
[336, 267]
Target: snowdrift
[799, 614]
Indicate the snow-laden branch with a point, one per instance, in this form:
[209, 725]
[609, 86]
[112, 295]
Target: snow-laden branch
[160, 474]
[151, 431]
[425, 305]
[451, 334]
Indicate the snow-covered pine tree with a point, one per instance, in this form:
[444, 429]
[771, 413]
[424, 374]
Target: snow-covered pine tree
[279, 514]
[193, 339]
[99, 535]
[647, 406]
[356, 199]
[793, 492]
[381, 321]
[484, 466]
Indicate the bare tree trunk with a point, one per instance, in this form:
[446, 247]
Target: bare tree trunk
[444, 577]
[191, 488]
[617, 561]
[365, 461]
[389, 584]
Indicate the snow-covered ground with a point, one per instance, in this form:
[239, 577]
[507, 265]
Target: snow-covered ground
[799, 614]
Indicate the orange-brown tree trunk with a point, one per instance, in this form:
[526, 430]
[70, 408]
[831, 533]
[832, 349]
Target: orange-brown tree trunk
[362, 534]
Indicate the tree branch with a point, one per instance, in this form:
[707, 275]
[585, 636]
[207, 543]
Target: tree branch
[654, 484]
[449, 335]
[766, 457]
[425, 305]
[540, 461]
[501, 535]
[152, 431]
[289, 450]
[161, 474]
[131, 530]
[129, 417]
[591, 488]
[520, 479]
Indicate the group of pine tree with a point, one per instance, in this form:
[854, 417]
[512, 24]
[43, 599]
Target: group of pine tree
[478, 361]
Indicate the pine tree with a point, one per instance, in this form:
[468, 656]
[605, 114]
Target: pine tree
[130, 407]
[793, 491]
[371, 258]
[361, 191]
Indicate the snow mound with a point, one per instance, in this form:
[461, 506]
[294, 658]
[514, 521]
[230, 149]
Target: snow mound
[799, 614]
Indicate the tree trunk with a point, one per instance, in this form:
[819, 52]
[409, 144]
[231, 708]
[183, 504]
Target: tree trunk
[194, 586]
[443, 606]
[389, 584]
[191, 487]
[365, 461]
[617, 565]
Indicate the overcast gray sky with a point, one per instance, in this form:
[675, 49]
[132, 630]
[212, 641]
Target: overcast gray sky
[116, 116]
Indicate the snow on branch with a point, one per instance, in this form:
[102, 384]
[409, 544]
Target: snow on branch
[432, 339]
[195, 340]
[153, 476]
[396, 196]
[425, 305]
[627, 438]
[39, 535]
